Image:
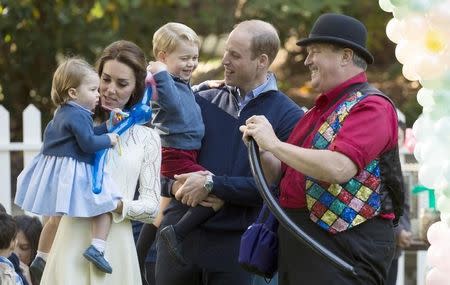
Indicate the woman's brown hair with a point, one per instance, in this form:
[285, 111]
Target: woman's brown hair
[132, 55]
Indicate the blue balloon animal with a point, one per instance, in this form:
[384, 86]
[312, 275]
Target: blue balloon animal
[140, 114]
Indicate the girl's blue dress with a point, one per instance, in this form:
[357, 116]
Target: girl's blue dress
[52, 185]
[61, 185]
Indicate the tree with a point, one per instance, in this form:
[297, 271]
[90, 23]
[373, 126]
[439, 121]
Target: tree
[35, 34]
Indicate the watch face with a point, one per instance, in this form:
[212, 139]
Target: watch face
[208, 184]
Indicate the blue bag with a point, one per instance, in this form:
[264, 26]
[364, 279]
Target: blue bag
[258, 252]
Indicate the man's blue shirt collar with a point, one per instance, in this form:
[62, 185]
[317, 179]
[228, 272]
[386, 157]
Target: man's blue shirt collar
[269, 85]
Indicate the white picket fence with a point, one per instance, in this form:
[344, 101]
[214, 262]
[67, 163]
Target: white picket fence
[32, 141]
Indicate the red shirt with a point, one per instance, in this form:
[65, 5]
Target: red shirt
[368, 131]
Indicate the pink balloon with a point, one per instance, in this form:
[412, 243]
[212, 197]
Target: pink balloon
[437, 277]
[437, 256]
[438, 233]
[410, 140]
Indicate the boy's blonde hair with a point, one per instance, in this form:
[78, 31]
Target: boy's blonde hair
[169, 36]
[69, 74]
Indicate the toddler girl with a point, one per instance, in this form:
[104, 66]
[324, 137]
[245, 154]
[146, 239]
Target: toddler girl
[59, 179]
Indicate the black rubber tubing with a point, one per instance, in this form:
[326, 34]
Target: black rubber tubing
[285, 221]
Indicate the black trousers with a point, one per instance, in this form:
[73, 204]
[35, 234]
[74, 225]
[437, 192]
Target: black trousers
[392, 274]
[212, 260]
[369, 247]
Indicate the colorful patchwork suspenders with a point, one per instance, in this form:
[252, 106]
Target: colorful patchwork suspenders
[338, 207]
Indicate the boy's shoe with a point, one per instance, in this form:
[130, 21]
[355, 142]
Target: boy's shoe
[169, 237]
[97, 258]
[37, 268]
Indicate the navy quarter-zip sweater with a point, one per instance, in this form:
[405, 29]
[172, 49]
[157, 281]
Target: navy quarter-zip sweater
[224, 153]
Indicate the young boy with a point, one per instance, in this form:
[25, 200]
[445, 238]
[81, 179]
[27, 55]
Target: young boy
[8, 231]
[179, 121]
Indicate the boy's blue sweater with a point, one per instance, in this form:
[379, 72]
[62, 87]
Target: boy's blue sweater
[178, 118]
[224, 153]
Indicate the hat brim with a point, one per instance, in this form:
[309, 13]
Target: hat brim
[333, 40]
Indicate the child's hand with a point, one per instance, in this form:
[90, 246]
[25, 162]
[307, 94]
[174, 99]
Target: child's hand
[213, 201]
[114, 138]
[215, 83]
[118, 115]
[115, 116]
[156, 66]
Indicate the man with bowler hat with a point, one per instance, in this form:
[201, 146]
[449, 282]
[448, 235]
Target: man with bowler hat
[335, 170]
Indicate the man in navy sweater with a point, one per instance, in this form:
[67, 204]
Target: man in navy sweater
[211, 250]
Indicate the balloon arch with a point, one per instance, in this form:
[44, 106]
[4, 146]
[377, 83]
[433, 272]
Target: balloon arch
[421, 30]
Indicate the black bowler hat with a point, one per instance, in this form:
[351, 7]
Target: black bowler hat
[341, 30]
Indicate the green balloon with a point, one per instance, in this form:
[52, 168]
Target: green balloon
[442, 83]
[401, 12]
[446, 191]
[398, 3]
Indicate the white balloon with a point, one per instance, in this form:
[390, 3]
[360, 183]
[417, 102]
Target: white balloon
[386, 6]
[394, 30]
[445, 217]
[425, 97]
[415, 28]
[429, 173]
[441, 185]
[422, 128]
[428, 111]
[443, 204]
[441, 129]
[407, 53]
[439, 15]
[418, 151]
[434, 151]
[409, 72]
[430, 67]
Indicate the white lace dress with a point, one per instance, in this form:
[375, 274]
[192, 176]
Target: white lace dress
[138, 158]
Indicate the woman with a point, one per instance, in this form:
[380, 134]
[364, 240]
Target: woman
[136, 159]
[28, 232]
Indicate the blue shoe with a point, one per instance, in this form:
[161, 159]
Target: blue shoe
[37, 268]
[97, 258]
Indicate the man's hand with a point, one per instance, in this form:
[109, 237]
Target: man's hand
[404, 239]
[261, 130]
[192, 191]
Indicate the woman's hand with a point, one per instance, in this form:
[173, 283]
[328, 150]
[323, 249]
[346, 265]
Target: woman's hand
[260, 129]
[119, 208]
[212, 201]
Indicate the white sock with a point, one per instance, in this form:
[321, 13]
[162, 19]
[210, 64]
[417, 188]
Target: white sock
[42, 255]
[99, 244]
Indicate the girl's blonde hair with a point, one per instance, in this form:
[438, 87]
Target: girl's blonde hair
[69, 74]
[169, 36]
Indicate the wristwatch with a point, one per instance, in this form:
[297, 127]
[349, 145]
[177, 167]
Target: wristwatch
[209, 183]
